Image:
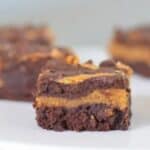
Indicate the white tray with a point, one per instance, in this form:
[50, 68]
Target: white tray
[18, 128]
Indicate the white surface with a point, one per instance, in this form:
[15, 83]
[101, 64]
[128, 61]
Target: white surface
[18, 128]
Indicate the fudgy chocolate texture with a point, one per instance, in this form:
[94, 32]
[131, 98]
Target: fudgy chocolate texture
[48, 81]
[135, 36]
[72, 91]
[95, 117]
[19, 68]
[30, 33]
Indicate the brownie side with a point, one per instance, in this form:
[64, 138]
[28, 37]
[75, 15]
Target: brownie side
[95, 117]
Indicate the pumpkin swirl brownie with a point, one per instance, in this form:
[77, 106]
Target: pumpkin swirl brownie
[20, 64]
[83, 96]
[133, 48]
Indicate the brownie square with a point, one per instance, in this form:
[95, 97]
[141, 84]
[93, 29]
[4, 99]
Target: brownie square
[133, 48]
[83, 96]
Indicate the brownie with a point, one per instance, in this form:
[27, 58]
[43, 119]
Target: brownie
[133, 48]
[83, 97]
[28, 33]
[20, 65]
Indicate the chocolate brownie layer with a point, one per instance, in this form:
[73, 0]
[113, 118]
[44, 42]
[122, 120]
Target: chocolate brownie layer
[95, 117]
[82, 89]
[72, 81]
[31, 34]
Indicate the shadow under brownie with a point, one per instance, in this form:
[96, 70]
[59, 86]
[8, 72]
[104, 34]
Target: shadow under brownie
[83, 97]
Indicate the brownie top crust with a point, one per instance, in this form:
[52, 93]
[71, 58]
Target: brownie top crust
[62, 79]
[28, 33]
[57, 69]
[134, 36]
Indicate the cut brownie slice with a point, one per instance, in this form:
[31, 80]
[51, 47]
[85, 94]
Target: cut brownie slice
[83, 97]
[133, 48]
[30, 33]
[20, 65]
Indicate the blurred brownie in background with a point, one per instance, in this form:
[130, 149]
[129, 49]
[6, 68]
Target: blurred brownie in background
[23, 51]
[20, 65]
[83, 96]
[32, 34]
[133, 48]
